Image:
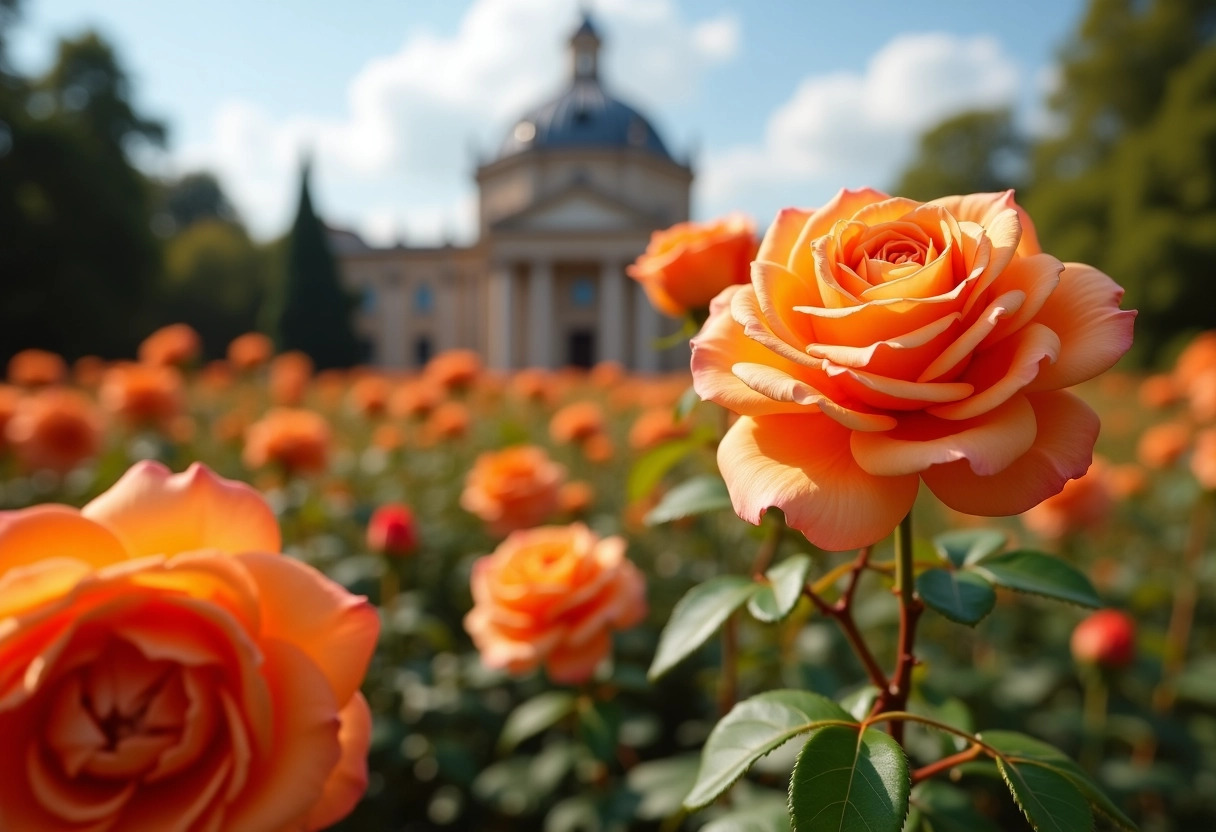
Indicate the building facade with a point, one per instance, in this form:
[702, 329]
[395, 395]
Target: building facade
[569, 200]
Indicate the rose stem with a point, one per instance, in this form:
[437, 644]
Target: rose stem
[1182, 616]
[1093, 716]
[895, 698]
[842, 612]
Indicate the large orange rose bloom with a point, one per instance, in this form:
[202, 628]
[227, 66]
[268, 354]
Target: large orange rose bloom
[882, 342]
[163, 667]
[553, 595]
[684, 266]
[513, 488]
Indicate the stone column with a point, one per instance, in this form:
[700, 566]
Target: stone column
[540, 314]
[501, 319]
[647, 327]
[612, 312]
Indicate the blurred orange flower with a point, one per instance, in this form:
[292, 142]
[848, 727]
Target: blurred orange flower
[1161, 445]
[173, 345]
[250, 351]
[36, 368]
[1158, 392]
[55, 430]
[1082, 505]
[10, 397]
[454, 369]
[514, 488]
[1198, 357]
[684, 267]
[552, 596]
[1127, 480]
[576, 497]
[1203, 460]
[576, 422]
[533, 385]
[290, 373]
[166, 668]
[656, 426]
[451, 420]
[368, 396]
[598, 448]
[295, 439]
[143, 395]
[416, 397]
[883, 342]
[87, 371]
[606, 374]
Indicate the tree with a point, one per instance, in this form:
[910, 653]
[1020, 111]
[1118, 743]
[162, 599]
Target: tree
[971, 152]
[315, 312]
[79, 259]
[184, 201]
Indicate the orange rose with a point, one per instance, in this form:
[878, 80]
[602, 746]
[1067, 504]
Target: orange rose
[415, 398]
[685, 266]
[656, 426]
[55, 430]
[368, 396]
[297, 440]
[576, 423]
[163, 667]
[884, 341]
[451, 420]
[290, 373]
[552, 596]
[172, 345]
[1161, 445]
[1081, 505]
[249, 351]
[36, 368]
[513, 488]
[454, 369]
[143, 395]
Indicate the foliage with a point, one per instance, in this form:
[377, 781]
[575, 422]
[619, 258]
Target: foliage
[973, 152]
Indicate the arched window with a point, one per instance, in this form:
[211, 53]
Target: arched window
[424, 300]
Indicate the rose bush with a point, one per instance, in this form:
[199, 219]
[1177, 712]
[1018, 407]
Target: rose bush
[163, 667]
[882, 342]
[552, 595]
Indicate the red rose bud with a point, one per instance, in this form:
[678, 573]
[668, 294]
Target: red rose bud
[1107, 638]
[392, 531]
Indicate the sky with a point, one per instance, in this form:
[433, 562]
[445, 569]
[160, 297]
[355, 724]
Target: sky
[773, 102]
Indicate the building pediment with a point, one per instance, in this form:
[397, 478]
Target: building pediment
[577, 208]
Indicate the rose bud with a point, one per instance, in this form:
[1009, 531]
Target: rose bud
[1107, 639]
[392, 531]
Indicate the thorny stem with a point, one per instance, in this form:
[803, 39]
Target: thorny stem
[895, 695]
[946, 763]
[1186, 594]
[842, 612]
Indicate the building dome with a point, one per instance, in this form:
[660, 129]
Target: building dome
[584, 115]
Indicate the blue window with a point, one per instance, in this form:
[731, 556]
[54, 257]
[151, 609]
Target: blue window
[582, 294]
[424, 300]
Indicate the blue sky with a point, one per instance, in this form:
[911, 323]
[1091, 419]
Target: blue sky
[778, 102]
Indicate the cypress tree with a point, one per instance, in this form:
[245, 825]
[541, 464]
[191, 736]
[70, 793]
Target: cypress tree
[316, 312]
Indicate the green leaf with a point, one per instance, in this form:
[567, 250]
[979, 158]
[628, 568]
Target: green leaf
[688, 401]
[1049, 800]
[763, 811]
[786, 581]
[752, 729]
[1039, 574]
[696, 617]
[698, 495]
[946, 808]
[860, 702]
[653, 465]
[1021, 748]
[960, 596]
[662, 784]
[599, 724]
[533, 716]
[963, 547]
[846, 781]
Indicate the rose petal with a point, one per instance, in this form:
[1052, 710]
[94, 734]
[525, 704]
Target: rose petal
[985, 207]
[816, 223]
[300, 606]
[1062, 450]
[1002, 371]
[1094, 332]
[348, 780]
[572, 664]
[803, 465]
[41, 533]
[155, 512]
[990, 442]
[957, 354]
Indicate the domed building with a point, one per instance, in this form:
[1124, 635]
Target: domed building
[571, 198]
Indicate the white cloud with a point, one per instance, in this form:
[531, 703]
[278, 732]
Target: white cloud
[400, 158]
[853, 129]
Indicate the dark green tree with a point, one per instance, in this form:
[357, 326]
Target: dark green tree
[79, 259]
[188, 199]
[315, 313]
[971, 152]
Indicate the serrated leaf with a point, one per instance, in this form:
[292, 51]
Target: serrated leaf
[946, 808]
[960, 596]
[846, 781]
[533, 716]
[1048, 800]
[653, 465]
[860, 702]
[752, 729]
[1039, 574]
[786, 581]
[1025, 749]
[696, 617]
[962, 547]
[698, 495]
